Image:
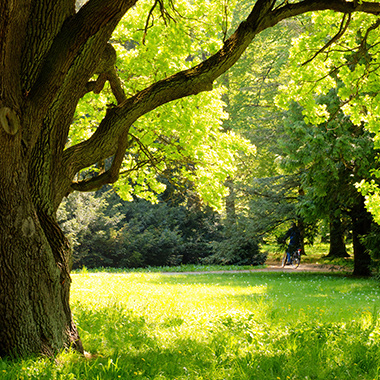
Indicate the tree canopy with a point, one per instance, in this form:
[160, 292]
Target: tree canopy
[349, 63]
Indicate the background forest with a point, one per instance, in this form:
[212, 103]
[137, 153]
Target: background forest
[299, 143]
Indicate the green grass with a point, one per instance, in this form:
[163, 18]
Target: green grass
[218, 326]
[171, 269]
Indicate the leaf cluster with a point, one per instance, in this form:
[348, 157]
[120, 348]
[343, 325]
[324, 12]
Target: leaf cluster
[332, 89]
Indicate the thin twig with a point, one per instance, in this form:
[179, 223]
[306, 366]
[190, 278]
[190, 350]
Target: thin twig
[343, 27]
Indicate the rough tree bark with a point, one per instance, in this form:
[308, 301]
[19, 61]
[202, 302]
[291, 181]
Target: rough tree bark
[43, 75]
[48, 54]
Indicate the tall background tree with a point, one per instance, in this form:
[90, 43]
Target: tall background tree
[51, 56]
[336, 83]
[330, 159]
[252, 84]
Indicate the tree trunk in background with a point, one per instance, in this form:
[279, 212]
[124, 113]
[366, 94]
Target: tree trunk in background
[230, 203]
[337, 244]
[301, 227]
[361, 225]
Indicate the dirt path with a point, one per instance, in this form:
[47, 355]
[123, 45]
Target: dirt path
[274, 267]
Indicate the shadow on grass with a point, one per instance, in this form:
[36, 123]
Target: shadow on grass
[116, 335]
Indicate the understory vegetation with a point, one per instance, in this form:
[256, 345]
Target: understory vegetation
[106, 231]
[258, 325]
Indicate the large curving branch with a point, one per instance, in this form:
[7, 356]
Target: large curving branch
[109, 176]
[296, 9]
[75, 33]
[104, 142]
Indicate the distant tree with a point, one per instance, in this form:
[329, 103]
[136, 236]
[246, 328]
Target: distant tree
[331, 157]
[256, 204]
[342, 53]
[349, 66]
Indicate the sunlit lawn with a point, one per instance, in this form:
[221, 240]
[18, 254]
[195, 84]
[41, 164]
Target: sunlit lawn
[218, 326]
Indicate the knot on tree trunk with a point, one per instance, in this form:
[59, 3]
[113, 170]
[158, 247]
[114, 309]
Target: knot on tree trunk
[9, 120]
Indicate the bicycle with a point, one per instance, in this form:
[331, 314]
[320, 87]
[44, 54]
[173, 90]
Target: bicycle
[295, 258]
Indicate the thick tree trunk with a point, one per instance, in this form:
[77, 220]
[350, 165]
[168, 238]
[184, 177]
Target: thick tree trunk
[361, 225]
[337, 244]
[47, 56]
[35, 315]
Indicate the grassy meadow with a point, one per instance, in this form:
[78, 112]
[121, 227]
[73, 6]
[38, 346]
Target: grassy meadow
[258, 325]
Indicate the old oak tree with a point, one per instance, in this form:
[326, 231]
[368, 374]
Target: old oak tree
[49, 54]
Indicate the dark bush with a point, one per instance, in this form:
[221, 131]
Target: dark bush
[236, 250]
[108, 232]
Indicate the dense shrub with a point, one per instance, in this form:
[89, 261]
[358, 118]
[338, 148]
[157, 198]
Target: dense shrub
[107, 232]
[238, 249]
